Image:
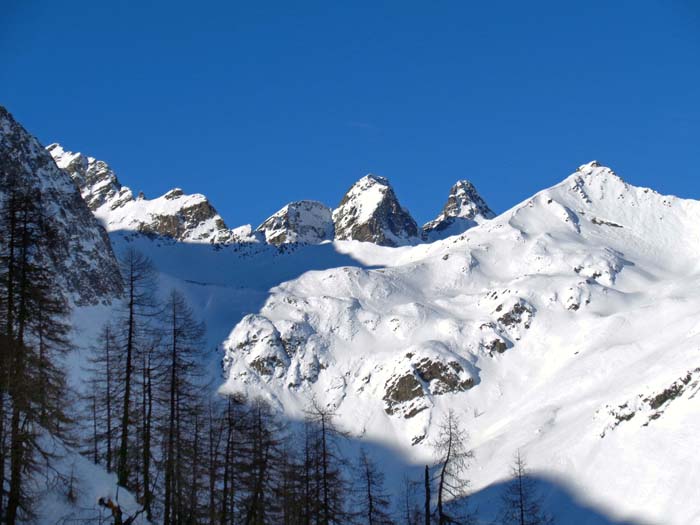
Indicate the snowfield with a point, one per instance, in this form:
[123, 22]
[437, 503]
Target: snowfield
[567, 328]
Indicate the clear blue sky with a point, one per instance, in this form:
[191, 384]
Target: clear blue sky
[259, 103]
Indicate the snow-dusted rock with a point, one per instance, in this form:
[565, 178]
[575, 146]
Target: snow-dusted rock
[464, 209]
[307, 222]
[183, 217]
[370, 212]
[85, 265]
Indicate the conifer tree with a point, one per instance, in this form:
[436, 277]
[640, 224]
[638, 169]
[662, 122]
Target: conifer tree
[521, 504]
[183, 342]
[104, 363]
[34, 336]
[453, 458]
[372, 503]
[139, 280]
[329, 487]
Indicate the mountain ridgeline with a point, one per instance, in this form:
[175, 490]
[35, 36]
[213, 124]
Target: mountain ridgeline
[369, 212]
[344, 365]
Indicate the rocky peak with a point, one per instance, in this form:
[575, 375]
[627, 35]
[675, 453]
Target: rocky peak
[183, 217]
[307, 222]
[464, 209]
[370, 212]
[97, 181]
[84, 263]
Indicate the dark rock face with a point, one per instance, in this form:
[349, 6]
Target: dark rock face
[401, 390]
[520, 313]
[464, 209]
[443, 378]
[306, 222]
[409, 393]
[370, 212]
[85, 266]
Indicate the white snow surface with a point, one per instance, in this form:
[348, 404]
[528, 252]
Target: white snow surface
[574, 323]
[572, 320]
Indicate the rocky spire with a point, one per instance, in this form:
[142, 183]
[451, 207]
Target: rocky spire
[464, 209]
[370, 212]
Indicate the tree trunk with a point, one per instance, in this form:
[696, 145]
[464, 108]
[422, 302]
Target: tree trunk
[123, 469]
[427, 495]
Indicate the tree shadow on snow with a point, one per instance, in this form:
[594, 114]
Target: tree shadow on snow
[558, 498]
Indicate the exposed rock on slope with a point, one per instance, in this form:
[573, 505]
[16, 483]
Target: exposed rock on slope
[464, 209]
[371, 212]
[85, 266]
[307, 222]
[183, 217]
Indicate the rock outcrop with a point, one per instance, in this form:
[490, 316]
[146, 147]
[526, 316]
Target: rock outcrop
[370, 212]
[182, 217]
[305, 222]
[464, 209]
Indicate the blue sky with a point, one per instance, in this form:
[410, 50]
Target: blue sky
[259, 103]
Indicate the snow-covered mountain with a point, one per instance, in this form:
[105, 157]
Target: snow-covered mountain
[81, 251]
[370, 212]
[175, 214]
[464, 209]
[306, 222]
[568, 327]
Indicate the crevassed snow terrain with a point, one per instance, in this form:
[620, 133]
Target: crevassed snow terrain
[567, 327]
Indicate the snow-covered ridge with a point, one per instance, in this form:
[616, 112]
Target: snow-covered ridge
[183, 217]
[566, 327]
[369, 212]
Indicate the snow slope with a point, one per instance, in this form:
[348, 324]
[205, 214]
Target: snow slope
[568, 327]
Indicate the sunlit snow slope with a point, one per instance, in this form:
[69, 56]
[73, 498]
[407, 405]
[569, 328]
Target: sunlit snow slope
[568, 327]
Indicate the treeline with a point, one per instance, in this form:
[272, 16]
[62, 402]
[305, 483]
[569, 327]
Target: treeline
[148, 416]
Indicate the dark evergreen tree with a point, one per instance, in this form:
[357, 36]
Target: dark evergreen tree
[104, 364]
[521, 504]
[33, 338]
[453, 458]
[408, 509]
[139, 280]
[183, 343]
[261, 465]
[324, 463]
[372, 505]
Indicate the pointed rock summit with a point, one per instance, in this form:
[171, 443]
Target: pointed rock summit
[177, 215]
[370, 212]
[464, 209]
[306, 222]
